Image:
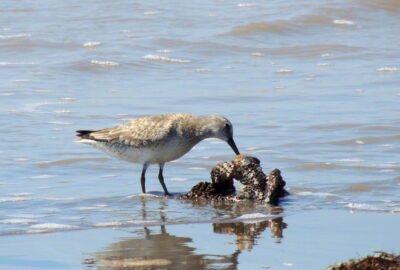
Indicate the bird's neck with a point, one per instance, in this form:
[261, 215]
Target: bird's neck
[205, 128]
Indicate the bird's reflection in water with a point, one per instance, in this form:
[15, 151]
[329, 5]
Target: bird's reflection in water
[158, 249]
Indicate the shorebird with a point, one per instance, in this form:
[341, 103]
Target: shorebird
[158, 139]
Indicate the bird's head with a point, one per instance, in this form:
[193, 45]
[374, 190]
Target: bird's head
[221, 128]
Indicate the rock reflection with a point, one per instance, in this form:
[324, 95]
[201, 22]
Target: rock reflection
[158, 249]
[247, 233]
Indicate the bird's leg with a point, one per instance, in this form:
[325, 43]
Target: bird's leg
[143, 178]
[161, 178]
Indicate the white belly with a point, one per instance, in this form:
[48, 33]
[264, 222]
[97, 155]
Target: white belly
[172, 150]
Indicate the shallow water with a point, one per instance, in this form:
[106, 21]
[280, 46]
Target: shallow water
[312, 88]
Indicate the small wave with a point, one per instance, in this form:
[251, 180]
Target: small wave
[14, 199]
[7, 94]
[165, 51]
[23, 35]
[62, 123]
[71, 161]
[51, 227]
[43, 176]
[105, 63]
[196, 168]
[108, 175]
[343, 22]
[148, 194]
[5, 64]
[21, 159]
[21, 194]
[18, 221]
[258, 54]
[244, 5]
[316, 194]
[91, 44]
[109, 224]
[68, 100]
[254, 216]
[297, 24]
[154, 57]
[364, 207]
[389, 69]
[178, 179]
[284, 71]
[368, 140]
[151, 13]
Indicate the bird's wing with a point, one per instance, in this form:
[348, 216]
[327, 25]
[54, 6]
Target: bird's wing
[138, 132]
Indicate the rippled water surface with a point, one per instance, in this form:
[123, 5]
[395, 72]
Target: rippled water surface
[311, 87]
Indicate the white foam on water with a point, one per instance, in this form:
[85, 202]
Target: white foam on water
[108, 175]
[196, 168]
[68, 100]
[178, 179]
[154, 57]
[14, 199]
[363, 206]
[23, 35]
[21, 194]
[7, 94]
[109, 224]
[59, 198]
[25, 216]
[359, 142]
[18, 221]
[43, 176]
[389, 69]
[105, 63]
[284, 71]
[86, 208]
[91, 44]
[148, 194]
[165, 51]
[63, 112]
[62, 123]
[151, 13]
[251, 218]
[21, 159]
[288, 264]
[50, 227]
[316, 194]
[53, 226]
[325, 55]
[258, 54]
[323, 64]
[350, 160]
[17, 63]
[246, 5]
[343, 22]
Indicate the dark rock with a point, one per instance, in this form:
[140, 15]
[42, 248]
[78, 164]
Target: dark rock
[256, 185]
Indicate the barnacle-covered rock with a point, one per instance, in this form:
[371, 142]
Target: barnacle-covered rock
[275, 187]
[222, 173]
[249, 172]
[246, 169]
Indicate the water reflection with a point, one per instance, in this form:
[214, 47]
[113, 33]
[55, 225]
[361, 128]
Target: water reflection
[156, 248]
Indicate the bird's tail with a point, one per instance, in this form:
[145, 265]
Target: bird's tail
[84, 134]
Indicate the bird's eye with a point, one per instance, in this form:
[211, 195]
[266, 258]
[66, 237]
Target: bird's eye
[227, 127]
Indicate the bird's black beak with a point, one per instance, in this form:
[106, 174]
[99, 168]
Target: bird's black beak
[232, 144]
